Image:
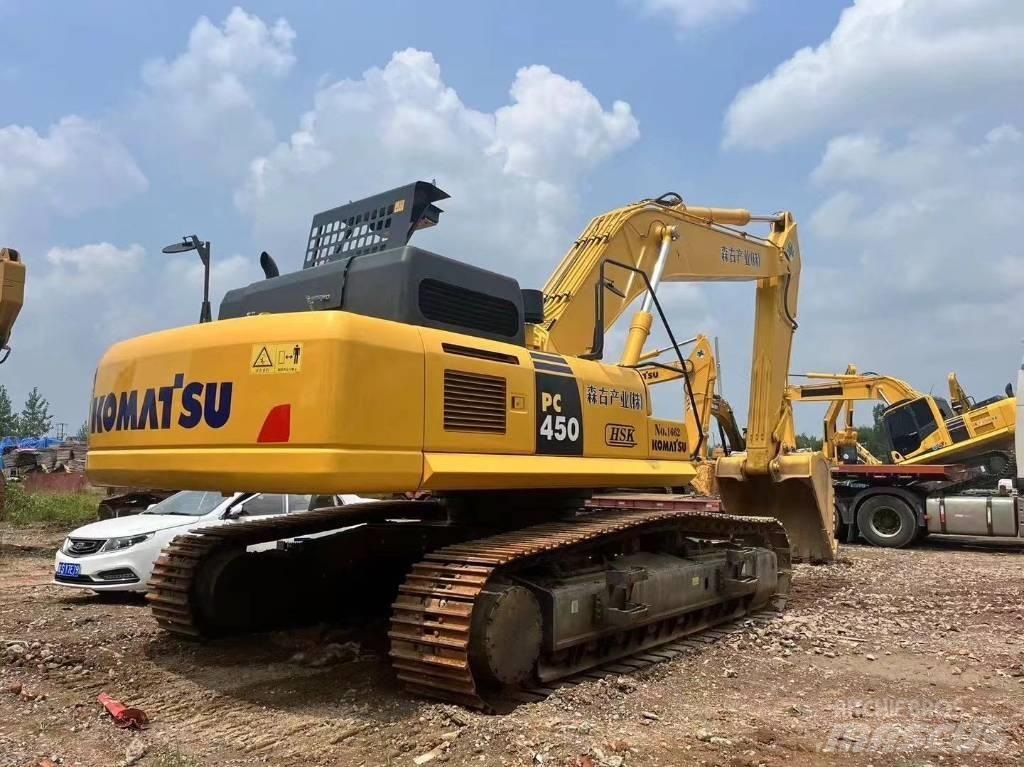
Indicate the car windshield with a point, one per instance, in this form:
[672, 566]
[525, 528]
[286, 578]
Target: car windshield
[188, 503]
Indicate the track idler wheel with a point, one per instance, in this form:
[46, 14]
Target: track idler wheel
[506, 634]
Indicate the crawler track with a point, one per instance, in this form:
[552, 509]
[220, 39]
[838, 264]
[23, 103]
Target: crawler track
[173, 586]
[432, 616]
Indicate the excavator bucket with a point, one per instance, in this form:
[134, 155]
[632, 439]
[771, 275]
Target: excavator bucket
[798, 493]
[704, 483]
[12, 291]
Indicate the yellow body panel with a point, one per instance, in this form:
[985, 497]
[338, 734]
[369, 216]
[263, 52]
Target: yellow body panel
[466, 471]
[344, 402]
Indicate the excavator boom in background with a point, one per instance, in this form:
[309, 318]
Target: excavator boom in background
[382, 368]
[701, 369]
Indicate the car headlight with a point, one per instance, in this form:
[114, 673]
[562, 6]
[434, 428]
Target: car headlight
[117, 544]
[66, 546]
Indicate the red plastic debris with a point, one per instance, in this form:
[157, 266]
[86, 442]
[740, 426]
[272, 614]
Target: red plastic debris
[123, 715]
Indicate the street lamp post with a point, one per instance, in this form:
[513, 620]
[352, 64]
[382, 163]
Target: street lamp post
[192, 242]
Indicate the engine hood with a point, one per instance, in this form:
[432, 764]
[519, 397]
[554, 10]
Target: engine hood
[134, 525]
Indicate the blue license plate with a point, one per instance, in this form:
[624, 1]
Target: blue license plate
[69, 569]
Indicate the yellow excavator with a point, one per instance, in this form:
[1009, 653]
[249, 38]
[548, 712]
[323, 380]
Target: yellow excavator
[383, 368]
[919, 428]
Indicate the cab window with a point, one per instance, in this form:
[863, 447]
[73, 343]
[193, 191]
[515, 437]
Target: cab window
[307, 502]
[263, 505]
[908, 424]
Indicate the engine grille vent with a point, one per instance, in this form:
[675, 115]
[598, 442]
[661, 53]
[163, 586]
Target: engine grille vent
[957, 429]
[482, 354]
[474, 402]
[462, 307]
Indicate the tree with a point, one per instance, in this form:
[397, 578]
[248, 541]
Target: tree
[873, 437]
[8, 418]
[807, 442]
[82, 435]
[35, 419]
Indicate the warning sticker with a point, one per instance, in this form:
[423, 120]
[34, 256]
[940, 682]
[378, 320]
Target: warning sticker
[275, 358]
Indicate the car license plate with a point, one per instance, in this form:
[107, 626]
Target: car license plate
[69, 569]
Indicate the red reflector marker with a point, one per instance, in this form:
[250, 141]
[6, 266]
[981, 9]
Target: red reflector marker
[277, 426]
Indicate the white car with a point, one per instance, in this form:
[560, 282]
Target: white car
[118, 554]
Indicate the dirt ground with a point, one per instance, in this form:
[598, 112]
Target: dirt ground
[886, 658]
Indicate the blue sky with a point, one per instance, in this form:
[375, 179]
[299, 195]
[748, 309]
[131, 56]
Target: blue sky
[892, 129]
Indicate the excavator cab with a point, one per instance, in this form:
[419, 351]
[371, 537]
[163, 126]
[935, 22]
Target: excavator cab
[908, 424]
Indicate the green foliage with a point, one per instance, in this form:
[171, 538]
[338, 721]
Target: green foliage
[68, 510]
[807, 442]
[35, 419]
[8, 418]
[873, 438]
[82, 435]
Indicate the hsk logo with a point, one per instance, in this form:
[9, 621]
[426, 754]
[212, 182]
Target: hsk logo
[152, 409]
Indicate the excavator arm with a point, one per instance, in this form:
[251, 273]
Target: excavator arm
[12, 295]
[852, 386]
[959, 400]
[841, 391]
[667, 241]
[730, 431]
[626, 254]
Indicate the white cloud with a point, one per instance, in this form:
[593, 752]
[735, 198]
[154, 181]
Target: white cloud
[75, 167]
[557, 128]
[207, 101]
[513, 174]
[912, 267]
[688, 14]
[79, 300]
[888, 63]
[88, 269]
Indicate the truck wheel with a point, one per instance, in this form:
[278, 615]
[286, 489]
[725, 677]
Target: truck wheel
[885, 520]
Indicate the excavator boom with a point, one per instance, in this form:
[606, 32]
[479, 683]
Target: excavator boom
[625, 254]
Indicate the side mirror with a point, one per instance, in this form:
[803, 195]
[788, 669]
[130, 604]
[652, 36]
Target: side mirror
[235, 511]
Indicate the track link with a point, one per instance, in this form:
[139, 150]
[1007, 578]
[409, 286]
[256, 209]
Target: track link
[432, 616]
[172, 588]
